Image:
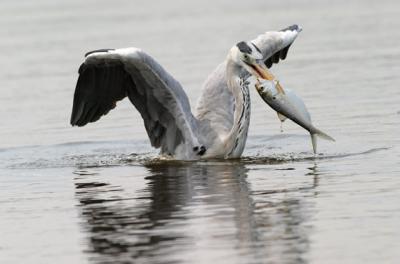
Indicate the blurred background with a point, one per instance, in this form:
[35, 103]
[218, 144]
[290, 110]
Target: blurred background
[98, 194]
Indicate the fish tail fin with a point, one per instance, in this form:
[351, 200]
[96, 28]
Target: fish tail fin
[314, 142]
[318, 133]
[323, 135]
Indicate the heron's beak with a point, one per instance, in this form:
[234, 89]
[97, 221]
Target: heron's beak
[261, 71]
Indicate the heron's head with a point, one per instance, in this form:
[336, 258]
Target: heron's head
[248, 56]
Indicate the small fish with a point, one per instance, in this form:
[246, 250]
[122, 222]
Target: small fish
[288, 105]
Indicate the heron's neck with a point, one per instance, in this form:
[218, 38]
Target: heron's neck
[241, 105]
[233, 78]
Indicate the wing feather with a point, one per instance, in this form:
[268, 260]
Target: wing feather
[107, 76]
[274, 45]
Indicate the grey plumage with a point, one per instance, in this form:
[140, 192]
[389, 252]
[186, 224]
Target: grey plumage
[109, 75]
[158, 97]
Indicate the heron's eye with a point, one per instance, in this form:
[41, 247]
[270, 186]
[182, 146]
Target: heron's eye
[246, 57]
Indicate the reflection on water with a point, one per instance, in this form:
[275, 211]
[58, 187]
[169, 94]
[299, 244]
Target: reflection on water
[191, 210]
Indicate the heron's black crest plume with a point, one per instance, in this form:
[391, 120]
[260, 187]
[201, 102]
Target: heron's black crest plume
[98, 50]
[292, 28]
[256, 47]
[243, 47]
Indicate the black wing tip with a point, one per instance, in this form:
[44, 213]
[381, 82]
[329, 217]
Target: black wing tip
[80, 123]
[98, 50]
[294, 27]
[91, 114]
[268, 62]
[274, 59]
[76, 122]
[281, 54]
[93, 95]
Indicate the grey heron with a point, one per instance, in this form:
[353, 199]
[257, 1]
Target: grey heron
[219, 127]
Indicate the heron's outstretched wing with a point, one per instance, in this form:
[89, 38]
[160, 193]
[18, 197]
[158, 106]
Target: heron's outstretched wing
[107, 76]
[274, 45]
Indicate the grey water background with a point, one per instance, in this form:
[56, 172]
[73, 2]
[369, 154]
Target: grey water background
[99, 194]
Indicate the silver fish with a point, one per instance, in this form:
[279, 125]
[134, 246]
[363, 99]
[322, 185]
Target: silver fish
[288, 105]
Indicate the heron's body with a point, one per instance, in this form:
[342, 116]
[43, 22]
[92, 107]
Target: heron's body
[220, 125]
[225, 129]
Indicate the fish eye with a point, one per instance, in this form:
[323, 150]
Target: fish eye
[274, 97]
